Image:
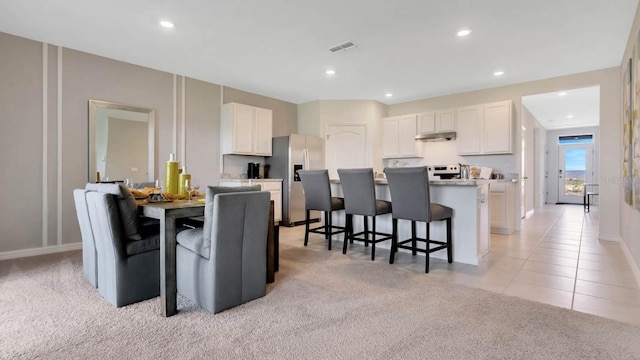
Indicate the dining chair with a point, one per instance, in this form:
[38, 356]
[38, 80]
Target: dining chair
[128, 268]
[224, 264]
[89, 253]
[359, 193]
[317, 196]
[410, 196]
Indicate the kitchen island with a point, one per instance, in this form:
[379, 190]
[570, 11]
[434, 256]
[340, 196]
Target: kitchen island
[469, 200]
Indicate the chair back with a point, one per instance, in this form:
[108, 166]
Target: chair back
[409, 188]
[358, 190]
[240, 227]
[212, 191]
[89, 254]
[316, 188]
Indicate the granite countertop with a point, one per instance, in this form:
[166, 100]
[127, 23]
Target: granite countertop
[263, 180]
[449, 182]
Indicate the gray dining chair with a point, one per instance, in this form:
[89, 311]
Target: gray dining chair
[317, 196]
[359, 193]
[89, 253]
[224, 264]
[410, 195]
[128, 266]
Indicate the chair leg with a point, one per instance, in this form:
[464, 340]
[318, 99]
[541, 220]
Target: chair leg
[347, 230]
[394, 240]
[327, 227]
[449, 244]
[373, 241]
[414, 242]
[366, 231]
[426, 260]
[306, 227]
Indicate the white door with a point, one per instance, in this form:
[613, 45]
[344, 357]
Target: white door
[346, 148]
[575, 167]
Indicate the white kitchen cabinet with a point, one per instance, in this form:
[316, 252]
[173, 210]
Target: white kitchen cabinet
[502, 207]
[246, 130]
[398, 137]
[498, 127]
[437, 121]
[485, 129]
[468, 134]
[274, 186]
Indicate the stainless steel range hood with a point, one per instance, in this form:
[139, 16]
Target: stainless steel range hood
[443, 136]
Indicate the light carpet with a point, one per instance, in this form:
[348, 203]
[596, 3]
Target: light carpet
[323, 305]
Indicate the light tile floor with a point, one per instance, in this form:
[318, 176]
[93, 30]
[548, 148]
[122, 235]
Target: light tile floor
[556, 259]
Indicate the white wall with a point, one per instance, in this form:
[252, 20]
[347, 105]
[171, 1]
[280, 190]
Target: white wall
[314, 117]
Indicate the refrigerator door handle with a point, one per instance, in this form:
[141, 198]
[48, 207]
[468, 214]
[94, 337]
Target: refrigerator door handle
[305, 159]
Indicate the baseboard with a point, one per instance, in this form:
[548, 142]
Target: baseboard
[39, 251]
[631, 261]
[609, 237]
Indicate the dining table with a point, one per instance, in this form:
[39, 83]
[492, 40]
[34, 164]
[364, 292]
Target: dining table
[168, 212]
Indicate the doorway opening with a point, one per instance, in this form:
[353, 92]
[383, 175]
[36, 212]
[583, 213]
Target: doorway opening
[575, 167]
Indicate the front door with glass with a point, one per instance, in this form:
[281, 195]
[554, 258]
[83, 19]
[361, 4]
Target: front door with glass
[575, 167]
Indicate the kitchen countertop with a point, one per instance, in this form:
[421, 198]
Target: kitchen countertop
[264, 180]
[450, 182]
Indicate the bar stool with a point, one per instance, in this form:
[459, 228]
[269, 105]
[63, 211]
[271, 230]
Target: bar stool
[317, 196]
[360, 199]
[409, 189]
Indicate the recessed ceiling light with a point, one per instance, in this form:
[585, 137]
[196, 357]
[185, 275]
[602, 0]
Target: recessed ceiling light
[167, 24]
[563, 93]
[498, 73]
[388, 94]
[464, 32]
[569, 116]
[330, 72]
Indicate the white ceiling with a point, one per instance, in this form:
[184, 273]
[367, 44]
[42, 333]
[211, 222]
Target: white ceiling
[576, 108]
[279, 48]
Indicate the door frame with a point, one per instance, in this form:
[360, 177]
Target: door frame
[589, 171]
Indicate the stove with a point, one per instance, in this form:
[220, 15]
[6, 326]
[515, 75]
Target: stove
[451, 171]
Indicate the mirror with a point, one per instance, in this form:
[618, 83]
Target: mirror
[121, 142]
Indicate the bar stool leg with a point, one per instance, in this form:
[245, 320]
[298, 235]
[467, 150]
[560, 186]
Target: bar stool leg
[449, 244]
[414, 242]
[394, 240]
[347, 230]
[366, 231]
[373, 241]
[426, 261]
[327, 227]
[306, 228]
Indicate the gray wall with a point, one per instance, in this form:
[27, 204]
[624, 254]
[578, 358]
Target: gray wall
[190, 128]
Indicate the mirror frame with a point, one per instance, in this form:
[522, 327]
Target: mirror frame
[98, 104]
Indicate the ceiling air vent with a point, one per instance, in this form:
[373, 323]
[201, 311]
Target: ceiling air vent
[343, 47]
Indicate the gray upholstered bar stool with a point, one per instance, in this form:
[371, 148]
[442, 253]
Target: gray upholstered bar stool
[409, 189]
[360, 199]
[317, 196]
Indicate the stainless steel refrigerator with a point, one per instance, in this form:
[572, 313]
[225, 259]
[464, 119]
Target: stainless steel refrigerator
[290, 154]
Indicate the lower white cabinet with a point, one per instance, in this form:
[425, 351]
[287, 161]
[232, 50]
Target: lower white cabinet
[274, 186]
[503, 207]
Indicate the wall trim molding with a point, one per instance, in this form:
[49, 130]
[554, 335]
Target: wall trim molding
[59, 145]
[183, 114]
[174, 136]
[16, 254]
[632, 263]
[45, 143]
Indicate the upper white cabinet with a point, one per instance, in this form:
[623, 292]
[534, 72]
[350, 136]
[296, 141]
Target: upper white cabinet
[437, 121]
[398, 137]
[485, 129]
[245, 130]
